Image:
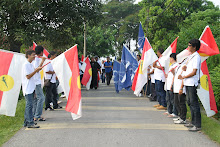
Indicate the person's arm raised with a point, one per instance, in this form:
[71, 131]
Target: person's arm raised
[33, 73]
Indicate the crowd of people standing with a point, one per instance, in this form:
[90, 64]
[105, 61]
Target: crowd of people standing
[173, 89]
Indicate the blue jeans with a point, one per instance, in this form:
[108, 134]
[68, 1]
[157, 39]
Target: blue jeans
[161, 94]
[193, 102]
[38, 101]
[28, 115]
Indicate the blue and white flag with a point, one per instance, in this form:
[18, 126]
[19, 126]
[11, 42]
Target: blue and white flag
[128, 67]
[141, 38]
[116, 68]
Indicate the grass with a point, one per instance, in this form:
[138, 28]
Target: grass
[210, 126]
[10, 125]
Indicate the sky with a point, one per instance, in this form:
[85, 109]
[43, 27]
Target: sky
[216, 2]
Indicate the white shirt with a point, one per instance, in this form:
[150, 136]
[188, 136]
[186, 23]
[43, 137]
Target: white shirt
[80, 66]
[28, 85]
[103, 66]
[48, 76]
[170, 76]
[193, 62]
[177, 82]
[37, 76]
[152, 75]
[159, 74]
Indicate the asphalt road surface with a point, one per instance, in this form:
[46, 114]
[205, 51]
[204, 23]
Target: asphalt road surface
[109, 120]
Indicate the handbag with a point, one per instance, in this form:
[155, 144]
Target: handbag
[47, 82]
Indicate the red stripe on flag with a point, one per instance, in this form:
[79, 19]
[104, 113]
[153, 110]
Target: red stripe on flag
[205, 71]
[69, 57]
[174, 45]
[5, 61]
[75, 91]
[135, 79]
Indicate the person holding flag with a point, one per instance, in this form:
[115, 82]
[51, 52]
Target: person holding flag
[29, 87]
[51, 89]
[191, 81]
[40, 98]
[159, 75]
[171, 109]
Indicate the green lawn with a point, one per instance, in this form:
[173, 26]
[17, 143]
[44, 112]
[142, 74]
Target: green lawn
[10, 125]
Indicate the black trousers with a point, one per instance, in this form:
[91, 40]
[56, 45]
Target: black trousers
[180, 104]
[153, 92]
[170, 102]
[193, 102]
[51, 95]
[108, 77]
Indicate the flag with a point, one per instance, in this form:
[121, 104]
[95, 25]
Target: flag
[147, 58]
[208, 45]
[82, 58]
[66, 67]
[166, 54]
[10, 81]
[116, 68]
[87, 76]
[128, 67]
[208, 48]
[45, 52]
[141, 38]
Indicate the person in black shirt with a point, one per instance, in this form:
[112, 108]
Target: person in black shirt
[95, 68]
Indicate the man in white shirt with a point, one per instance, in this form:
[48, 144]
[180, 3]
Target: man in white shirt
[28, 87]
[169, 85]
[160, 81]
[40, 98]
[191, 78]
[51, 89]
[179, 91]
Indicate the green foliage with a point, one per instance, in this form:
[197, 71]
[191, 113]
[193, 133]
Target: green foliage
[100, 41]
[56, 21]
[165, 20]
[10, 125]
[122, 16]
[215, 78]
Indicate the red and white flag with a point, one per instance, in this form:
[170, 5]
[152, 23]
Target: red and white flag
[66, 67]
[147, 58]
[45, 52]
[166, 54]
[208, 48]
[10, 81]
[87, 76]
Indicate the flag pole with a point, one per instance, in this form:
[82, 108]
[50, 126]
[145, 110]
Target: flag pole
[84, 51]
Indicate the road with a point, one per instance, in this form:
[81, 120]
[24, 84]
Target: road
[109, 120]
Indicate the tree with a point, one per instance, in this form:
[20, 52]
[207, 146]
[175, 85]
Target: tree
[122, 15]
[165, 18]
[25, 21]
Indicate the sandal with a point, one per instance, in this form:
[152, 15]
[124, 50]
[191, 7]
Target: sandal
[41, 119]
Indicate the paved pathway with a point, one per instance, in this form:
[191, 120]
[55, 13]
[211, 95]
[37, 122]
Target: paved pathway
[109, 120]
